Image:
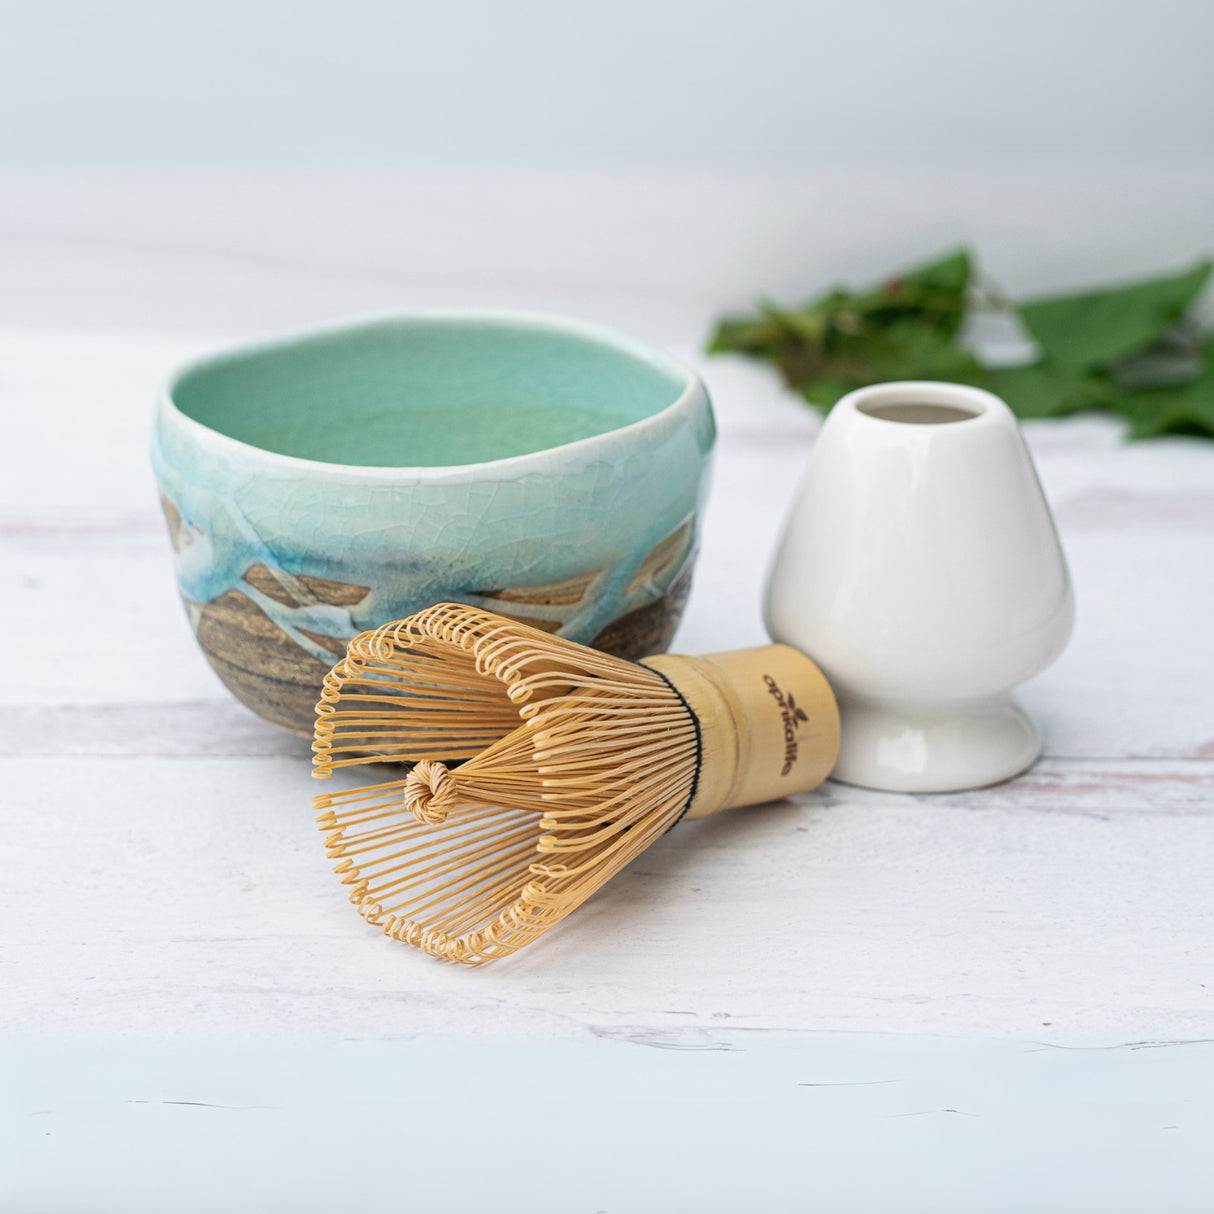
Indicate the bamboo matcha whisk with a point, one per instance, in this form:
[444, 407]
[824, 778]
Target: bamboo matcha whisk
[541, 767]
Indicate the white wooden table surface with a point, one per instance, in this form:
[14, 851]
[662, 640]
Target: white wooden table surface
[178, 967]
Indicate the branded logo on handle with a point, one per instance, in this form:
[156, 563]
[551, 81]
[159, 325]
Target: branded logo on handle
[792, 716]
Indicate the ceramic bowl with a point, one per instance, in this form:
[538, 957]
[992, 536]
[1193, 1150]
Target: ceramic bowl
[322, 485]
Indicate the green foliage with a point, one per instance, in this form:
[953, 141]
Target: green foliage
[1133, 349]
[1186, 408]
[901, 329]
[1096, 329]
[1045, 389]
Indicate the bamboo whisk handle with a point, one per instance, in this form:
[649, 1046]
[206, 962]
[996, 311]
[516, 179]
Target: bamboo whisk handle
[769, 725]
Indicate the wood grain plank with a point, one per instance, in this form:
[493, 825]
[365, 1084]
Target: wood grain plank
[773, 1125]
[155, 896]
[220, 728]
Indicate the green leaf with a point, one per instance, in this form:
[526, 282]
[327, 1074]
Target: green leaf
[1097, 328]
[906, 350]
[1176, 358]
[1181, 409]
[840, 340]
[742, 335]
[1039, 390]
[1130, 349]
[1046, 389]
[933, 294]
[948, 273]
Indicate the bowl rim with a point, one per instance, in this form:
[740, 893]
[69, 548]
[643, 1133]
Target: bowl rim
[202, 435]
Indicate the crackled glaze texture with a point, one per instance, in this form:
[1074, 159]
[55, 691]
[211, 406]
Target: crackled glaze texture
[282, 556]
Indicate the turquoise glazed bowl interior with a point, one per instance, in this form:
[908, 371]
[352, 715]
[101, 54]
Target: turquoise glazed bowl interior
[322, 485]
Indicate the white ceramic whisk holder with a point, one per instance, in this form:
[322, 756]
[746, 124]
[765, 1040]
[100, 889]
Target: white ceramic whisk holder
[920, 568]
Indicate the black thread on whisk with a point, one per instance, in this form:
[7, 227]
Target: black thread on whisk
[695, 721]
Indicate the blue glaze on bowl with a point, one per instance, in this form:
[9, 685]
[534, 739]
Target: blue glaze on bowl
[280, 552]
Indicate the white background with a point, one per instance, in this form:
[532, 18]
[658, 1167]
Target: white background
[240, 168]
[723, 83]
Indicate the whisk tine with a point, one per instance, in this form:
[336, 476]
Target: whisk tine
[539, 768]
[453, 683]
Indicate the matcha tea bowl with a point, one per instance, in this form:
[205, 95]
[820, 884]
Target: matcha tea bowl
[324, 484]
